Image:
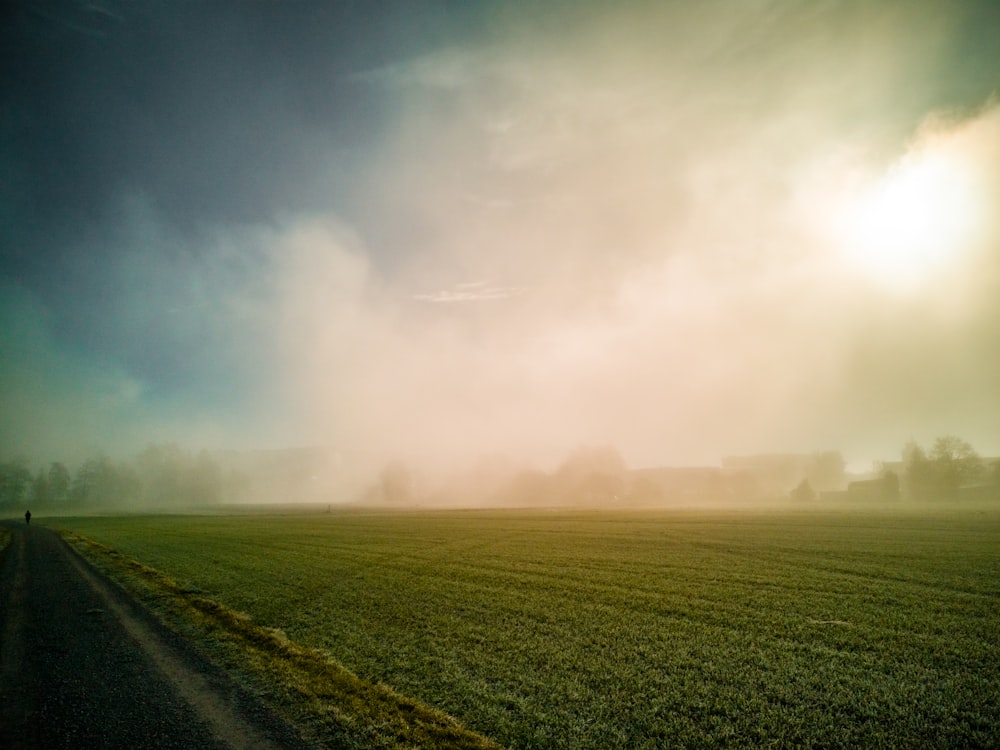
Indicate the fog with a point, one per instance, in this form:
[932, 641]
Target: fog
[684, 231]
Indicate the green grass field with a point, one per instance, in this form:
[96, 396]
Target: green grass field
[627, 629]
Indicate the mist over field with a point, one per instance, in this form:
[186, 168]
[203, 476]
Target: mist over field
[468, 239]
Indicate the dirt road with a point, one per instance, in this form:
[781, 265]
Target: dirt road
[83, 666]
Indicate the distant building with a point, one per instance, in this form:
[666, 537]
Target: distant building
[880, 490]
[779, 473]
[669, 484]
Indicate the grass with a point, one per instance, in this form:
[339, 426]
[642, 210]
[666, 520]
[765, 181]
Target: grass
[331, 706]
[626, 630]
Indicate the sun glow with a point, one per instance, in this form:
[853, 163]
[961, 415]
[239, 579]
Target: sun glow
[915, 220]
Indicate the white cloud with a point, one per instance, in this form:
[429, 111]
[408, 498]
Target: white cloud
[643, 207]
[668, 206]
[476, 291]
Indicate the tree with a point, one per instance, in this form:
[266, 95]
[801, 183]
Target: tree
[59, 483]
[956, 463]
[15, 482]
[993, 475]
[100, 483]
[951, 464]
[82, 488]
[41, 491]
[160, 468]
[919, 477]
[803, 492]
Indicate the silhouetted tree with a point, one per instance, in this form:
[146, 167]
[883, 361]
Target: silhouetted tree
[160, 469]
[951, 464]
[955, 462]
[84, 489]
[994, 478]
[919, 480]
[171, 477]
[99, 483]
[40, 495]
[803, 492]
[15, 482]
[59, 483]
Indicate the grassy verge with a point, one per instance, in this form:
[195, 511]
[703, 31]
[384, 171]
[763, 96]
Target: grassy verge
[331, 705]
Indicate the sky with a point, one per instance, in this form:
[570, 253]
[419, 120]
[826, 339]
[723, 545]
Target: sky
[442, 230]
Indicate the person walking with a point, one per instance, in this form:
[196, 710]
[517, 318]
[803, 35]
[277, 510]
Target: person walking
[27, 517]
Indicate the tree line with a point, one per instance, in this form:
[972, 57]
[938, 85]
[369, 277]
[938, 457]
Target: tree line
[951, 468]
[161, 476]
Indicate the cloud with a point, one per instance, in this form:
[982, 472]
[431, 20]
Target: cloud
[471, 291]
[572, 223]
[667, 213]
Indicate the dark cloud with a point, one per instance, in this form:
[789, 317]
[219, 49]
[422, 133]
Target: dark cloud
[215, 112]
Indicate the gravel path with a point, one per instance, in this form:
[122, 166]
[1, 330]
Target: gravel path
[83, 666]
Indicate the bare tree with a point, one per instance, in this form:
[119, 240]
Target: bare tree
[952, 463]
[956, 463]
